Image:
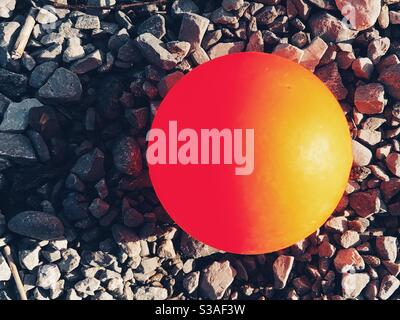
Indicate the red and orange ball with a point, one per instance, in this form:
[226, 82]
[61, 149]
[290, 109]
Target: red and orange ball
[302, 154]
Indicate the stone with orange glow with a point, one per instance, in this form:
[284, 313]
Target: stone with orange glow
[302, 153]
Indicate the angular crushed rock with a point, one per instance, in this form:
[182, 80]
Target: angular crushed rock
[222, 49]
[151, 48]
[365, 203]
[16, 147]
[330, 75]
[360, 14]
[353, 284]
[386, 248]
[127, 156]
[216, 279]
[12, 85]
[289, 52]
[329, 28]
[369, 99]
[15, 119]
[388, 286]
[127, 240]
[48, 276]
[361, 155]
[5, 272]
[62, 87]
[192, 29]
[390, 77]
[90, 166]
[348, 260]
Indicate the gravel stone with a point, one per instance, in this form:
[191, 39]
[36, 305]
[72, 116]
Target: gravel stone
[313, 54]
[16, 147]
[361, 155]
[282, 267]
[377, 48]
[29, 258]
[289, 52]
[103, 296]
[363, 67]
[266, 15]
[74, 51]
[326, 250]
[6, 8]
[365, 203]
[90, 166]
[369, 98]
[99, 208]
[216, 279]
[224, 48]
[184, 6]
[386, 248]
[221, 16]
[87, 22]
[191, 281]
[256, 43]
[192, 29]
[330, 75]
[127, 156]
[5, 272]
[51, 254]
[349, 239]
[12, 85]
[48, 276]
[151, 293]
[329, 28]
[87, 286]
[37, 225]
[393, 163]
[42, 73]
[166, 250]
[168, 82]
[370, 137]
[127, 240]
[70, 260]
[231, 5]
[336, 224]
[388, 286]
[152, 49]
[193, 248]
[4, 103]
[390, 77]
[15, 118]
[348, 260]
[154, 25]
[75, 207]
[62, 87]
[2, 224]
[89, 63]
[45, 17]
[179, 49]
[361, 14]
[353, 284]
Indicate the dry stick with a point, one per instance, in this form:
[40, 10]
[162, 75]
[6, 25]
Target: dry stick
[118, 7]
[14, 271]
[24, 35]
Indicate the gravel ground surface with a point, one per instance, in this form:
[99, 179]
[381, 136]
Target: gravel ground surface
[80, 100]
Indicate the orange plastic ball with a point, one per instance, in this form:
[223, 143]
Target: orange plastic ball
[302, 153]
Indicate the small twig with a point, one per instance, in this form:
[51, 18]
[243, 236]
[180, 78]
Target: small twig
[118, 7]
[14, 271]
[24, 35]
